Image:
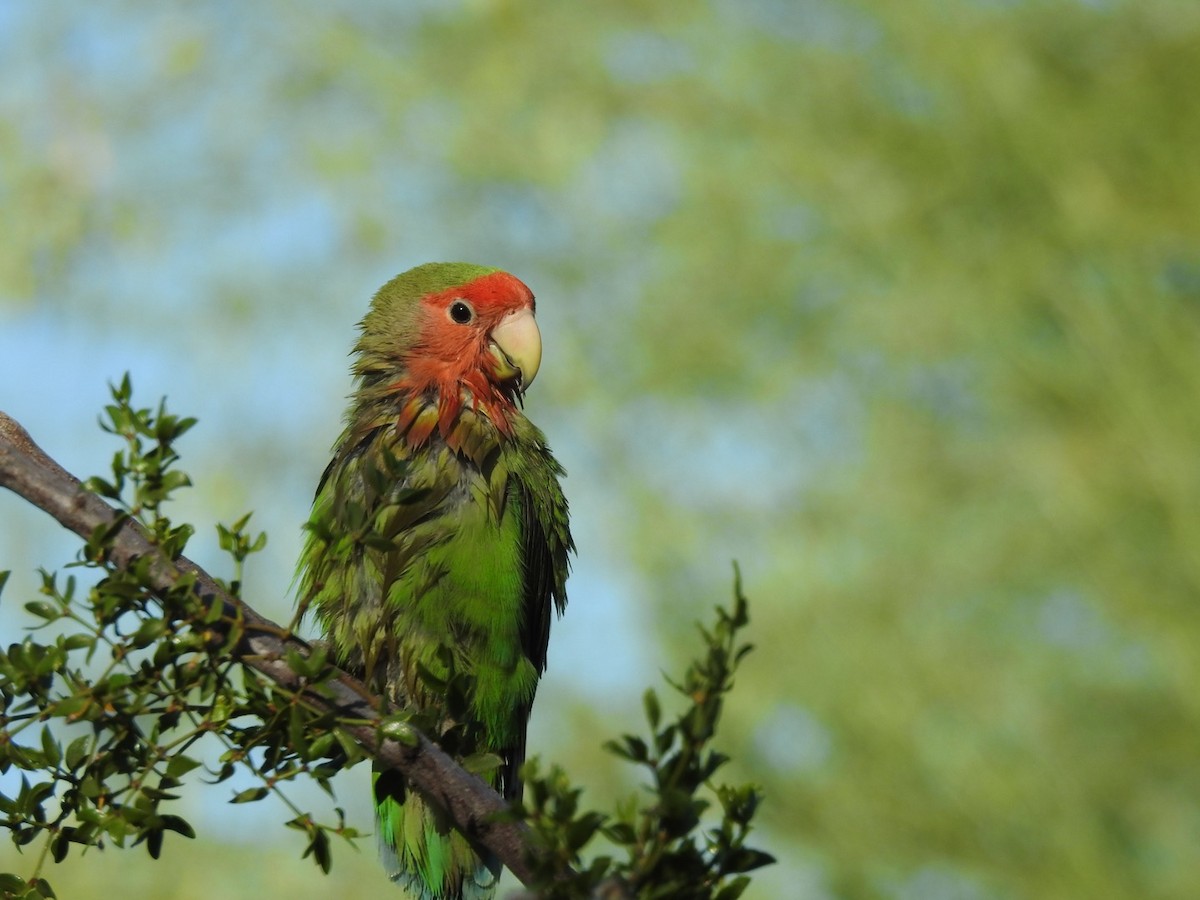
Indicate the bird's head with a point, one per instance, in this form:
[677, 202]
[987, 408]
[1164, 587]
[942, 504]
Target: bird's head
[454, 333]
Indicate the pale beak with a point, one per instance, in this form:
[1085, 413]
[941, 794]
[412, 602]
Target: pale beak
[517, 348]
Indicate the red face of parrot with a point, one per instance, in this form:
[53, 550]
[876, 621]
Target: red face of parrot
[479, 345]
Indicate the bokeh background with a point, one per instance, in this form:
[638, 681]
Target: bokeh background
[896, 304]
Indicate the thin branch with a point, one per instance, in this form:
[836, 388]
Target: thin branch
[472, 805]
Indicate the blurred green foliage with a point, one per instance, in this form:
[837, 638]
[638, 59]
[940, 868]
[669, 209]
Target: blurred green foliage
[897, 303]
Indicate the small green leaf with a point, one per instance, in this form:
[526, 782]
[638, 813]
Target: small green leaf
[79, 642]
[60, 845]
[632, 748]
[216, 608]
[478, 763]
[250, 795]
[98, 485]
[621, 833]
[12, 886]
[399, 730]
[296, 735]
[43, 609]
[747, 858]
[178, 825]
[154, 839]
[180, 765]
[318, 846]
[51, 749]
[734, 889]
[665, 739]
[581, 830]
[653, 710]
[148, 632]
[39, 792]
[174, 480]
[77, 751]
[71, 707]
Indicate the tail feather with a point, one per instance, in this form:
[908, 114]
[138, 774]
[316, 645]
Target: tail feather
[423, 853]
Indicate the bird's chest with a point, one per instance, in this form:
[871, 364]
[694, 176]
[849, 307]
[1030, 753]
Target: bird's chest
[465, 585]
[464, 592]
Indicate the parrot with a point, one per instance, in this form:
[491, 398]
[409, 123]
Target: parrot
[439, 540]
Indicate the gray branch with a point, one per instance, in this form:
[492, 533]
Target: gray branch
[26, 470]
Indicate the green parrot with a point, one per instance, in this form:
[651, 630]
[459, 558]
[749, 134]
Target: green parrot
[438, 539]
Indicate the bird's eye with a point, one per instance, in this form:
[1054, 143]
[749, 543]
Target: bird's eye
[461, 312]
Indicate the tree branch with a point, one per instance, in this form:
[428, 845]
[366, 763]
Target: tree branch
[472, 805]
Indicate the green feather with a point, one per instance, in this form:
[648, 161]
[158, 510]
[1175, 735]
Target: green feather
[459, 545]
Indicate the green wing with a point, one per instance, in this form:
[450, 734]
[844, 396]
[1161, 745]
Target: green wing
[546, 543]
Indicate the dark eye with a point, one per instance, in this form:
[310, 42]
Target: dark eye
[461, 312]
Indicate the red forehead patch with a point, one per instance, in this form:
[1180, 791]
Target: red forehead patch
[497, 291]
